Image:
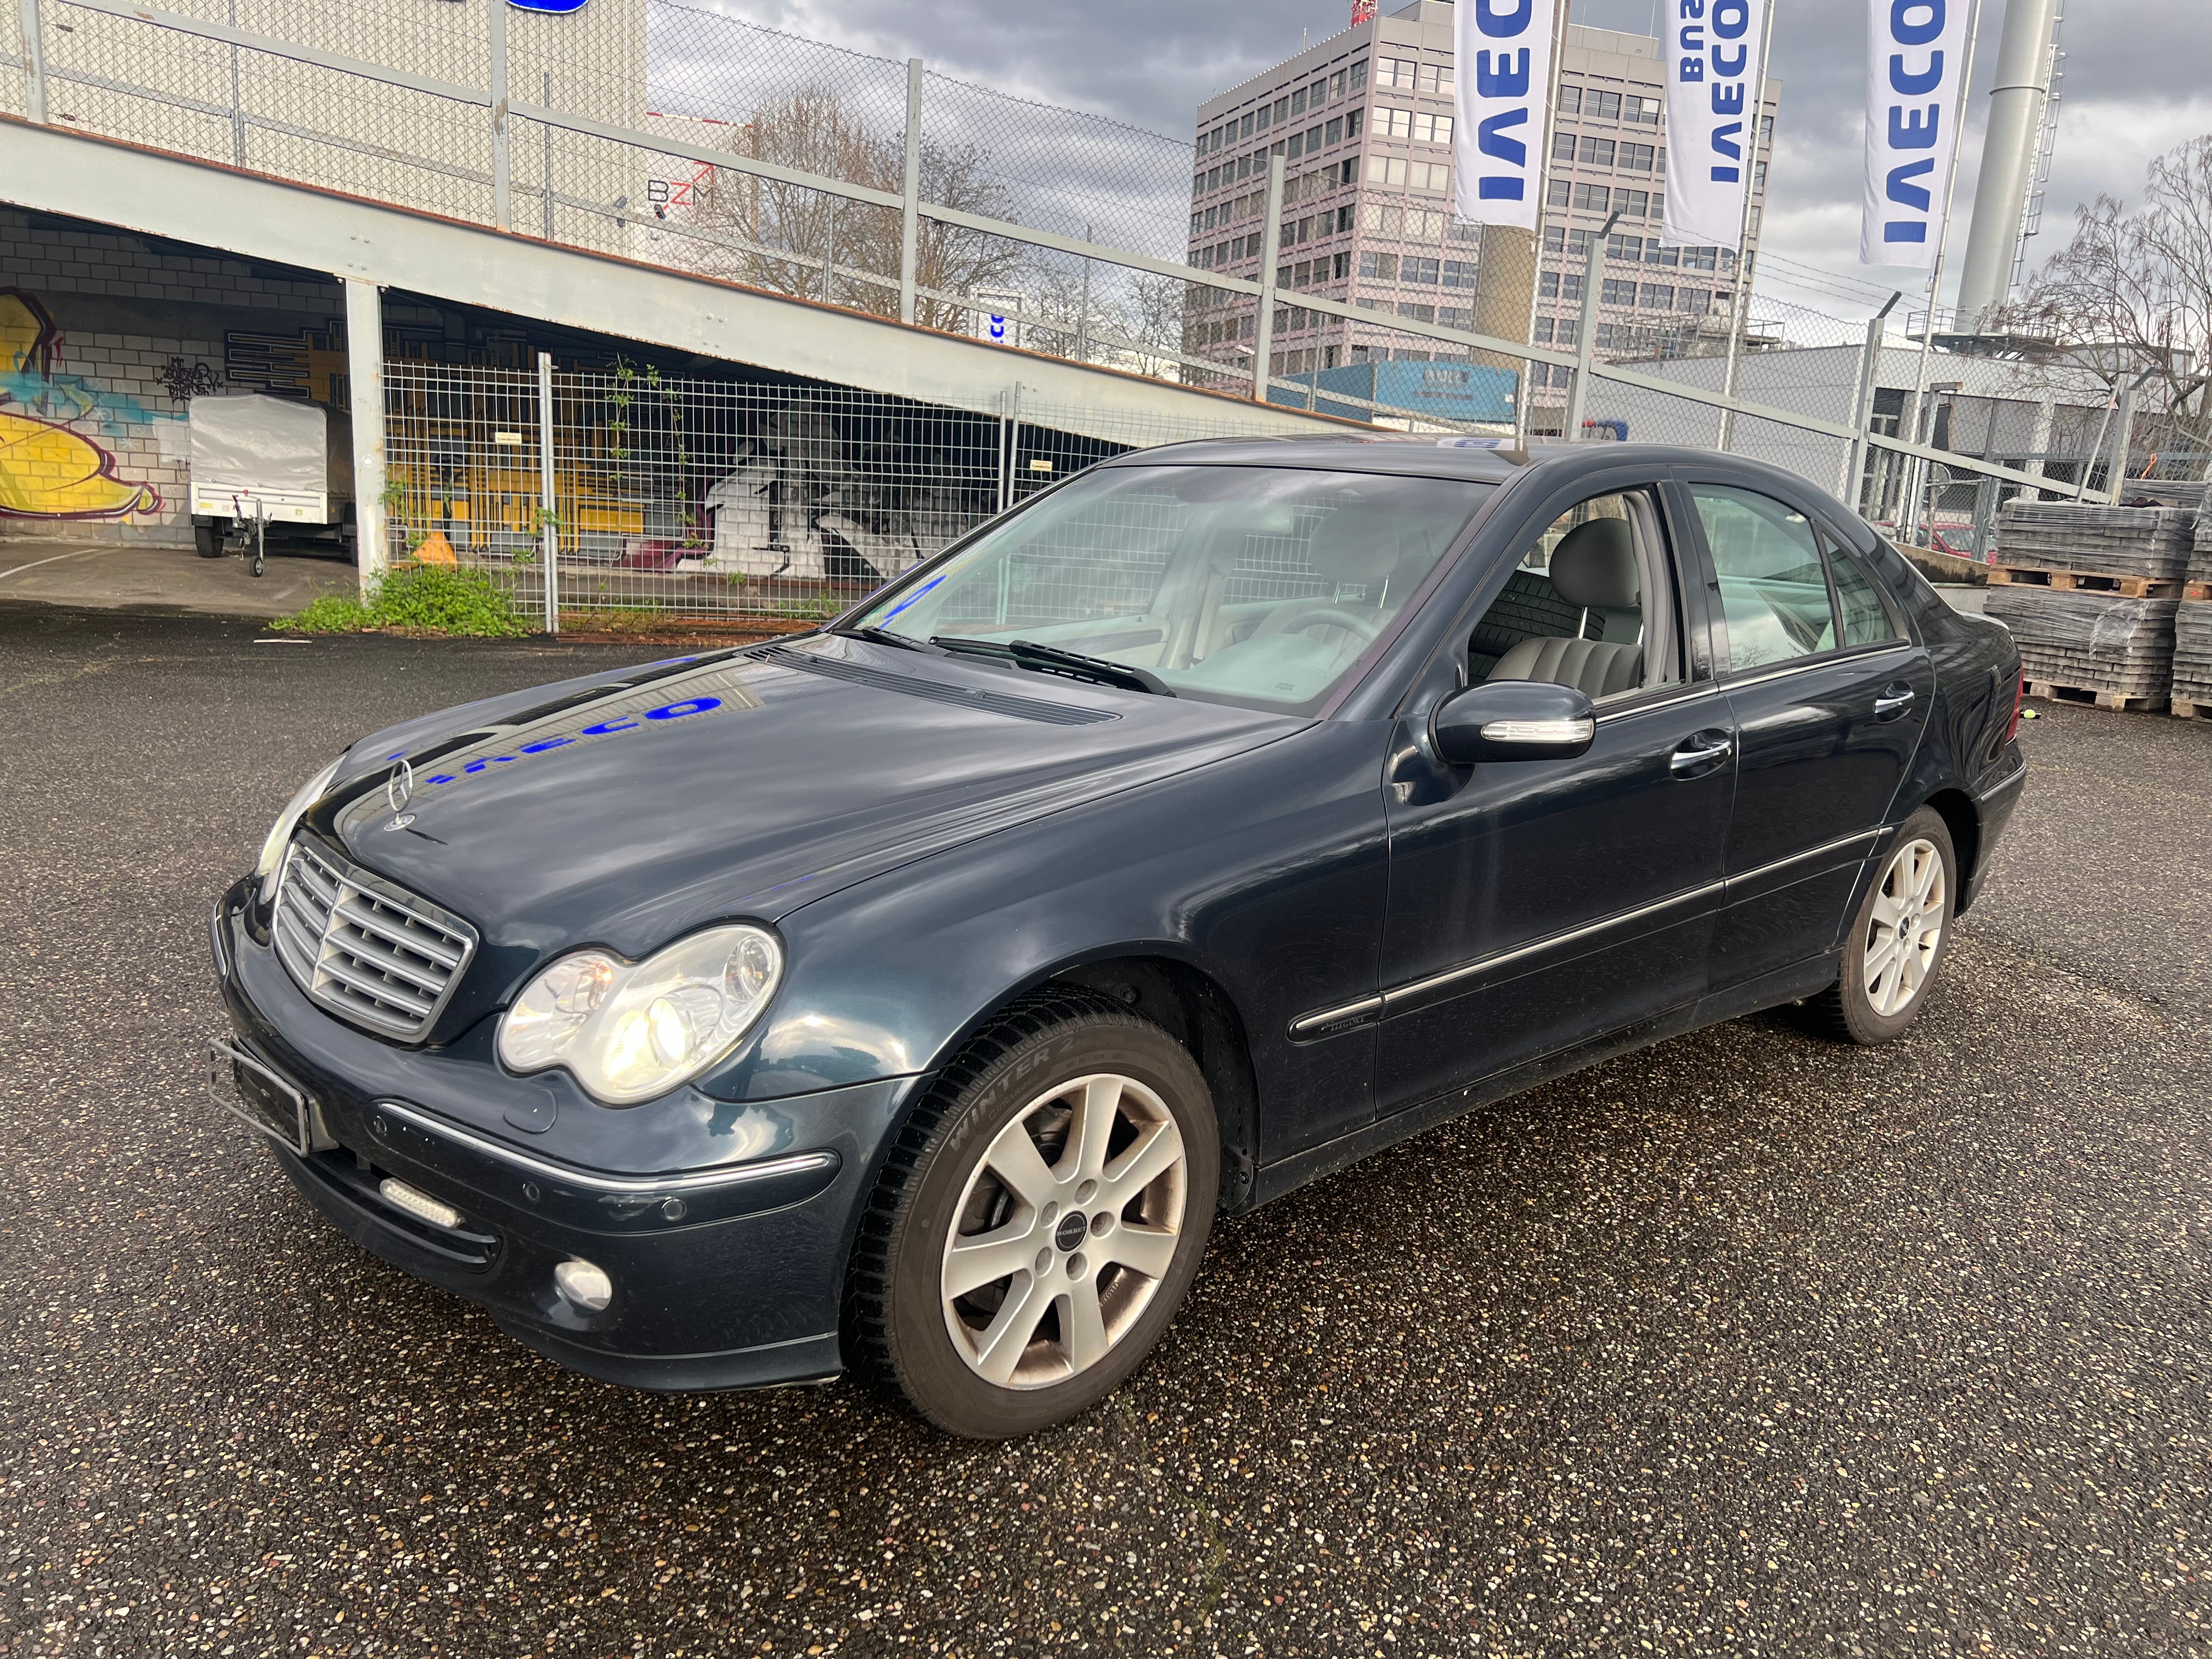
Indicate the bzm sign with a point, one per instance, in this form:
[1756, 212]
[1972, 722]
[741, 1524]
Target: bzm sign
[1503, 49]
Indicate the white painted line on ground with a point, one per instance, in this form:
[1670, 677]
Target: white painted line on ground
[57, 559]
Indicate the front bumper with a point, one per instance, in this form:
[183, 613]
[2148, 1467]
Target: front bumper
[724, 1226]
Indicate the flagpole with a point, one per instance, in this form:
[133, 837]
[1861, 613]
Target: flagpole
[1740, 312]
[1935, 275]
[1542, 181]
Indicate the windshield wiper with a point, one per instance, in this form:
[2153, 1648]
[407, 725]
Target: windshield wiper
[1051, 659]
[881, 636]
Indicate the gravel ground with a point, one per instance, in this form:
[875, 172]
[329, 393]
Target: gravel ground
[1746, 1344]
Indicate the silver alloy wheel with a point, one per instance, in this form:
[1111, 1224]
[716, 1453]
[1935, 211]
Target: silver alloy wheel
[1906, 927]
[1067, 1226]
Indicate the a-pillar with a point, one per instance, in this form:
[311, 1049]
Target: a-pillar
[365, 382]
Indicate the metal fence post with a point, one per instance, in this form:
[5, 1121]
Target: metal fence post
[1010, 441]
[1586, 341]
[35, 63]
[546, 177]
[2115, 468]
[372, 530]
[237, 102]
[549, 524]
[1850, 486]
[501, 204]
[1270, 247]
[911, 190]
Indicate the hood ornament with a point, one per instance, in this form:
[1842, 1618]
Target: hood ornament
[398, 790]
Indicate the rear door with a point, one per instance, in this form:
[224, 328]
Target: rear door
[1828, 695]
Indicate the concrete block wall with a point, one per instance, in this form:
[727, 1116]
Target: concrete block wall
[93, 326]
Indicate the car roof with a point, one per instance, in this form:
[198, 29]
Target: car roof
[1445, 455]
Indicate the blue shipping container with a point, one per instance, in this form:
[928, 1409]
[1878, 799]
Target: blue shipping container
[1448, 392]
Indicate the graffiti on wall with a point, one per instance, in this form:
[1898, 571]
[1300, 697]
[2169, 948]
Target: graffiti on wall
[49, 469]
[309, 365]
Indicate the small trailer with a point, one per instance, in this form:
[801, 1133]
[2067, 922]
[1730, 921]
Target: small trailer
[264, 465]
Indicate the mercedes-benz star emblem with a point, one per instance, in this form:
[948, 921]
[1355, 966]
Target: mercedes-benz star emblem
[398, 790]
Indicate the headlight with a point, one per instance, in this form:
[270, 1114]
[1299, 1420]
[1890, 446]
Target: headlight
[631, 1032]
[280, 833]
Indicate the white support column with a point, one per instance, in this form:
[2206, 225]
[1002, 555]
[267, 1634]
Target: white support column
[911, 194]
[365, 385]
[35, 63]
[548, 504]
[502, 203]
[1271, 248]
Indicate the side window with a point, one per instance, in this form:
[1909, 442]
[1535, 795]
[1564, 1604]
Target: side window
[1774, 591]
[1866, 619]
[1590, 604]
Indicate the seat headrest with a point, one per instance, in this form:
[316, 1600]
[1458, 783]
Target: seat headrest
[1356, 546]
[1595, 566]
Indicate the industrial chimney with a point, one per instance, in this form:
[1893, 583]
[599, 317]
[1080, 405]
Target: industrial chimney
[2009, 152]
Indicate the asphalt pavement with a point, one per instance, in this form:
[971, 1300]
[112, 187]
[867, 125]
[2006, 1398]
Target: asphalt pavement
[1747, 1344]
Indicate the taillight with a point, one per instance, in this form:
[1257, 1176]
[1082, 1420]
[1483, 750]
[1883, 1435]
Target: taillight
[2019, 693]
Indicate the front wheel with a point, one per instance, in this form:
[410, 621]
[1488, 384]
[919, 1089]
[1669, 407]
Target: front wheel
[1039, 1221]
[1897, 939]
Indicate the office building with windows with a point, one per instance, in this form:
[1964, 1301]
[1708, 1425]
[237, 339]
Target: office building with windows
[1364, 122]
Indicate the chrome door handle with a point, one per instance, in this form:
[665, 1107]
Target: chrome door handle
[1893, 702]
[1686, 757]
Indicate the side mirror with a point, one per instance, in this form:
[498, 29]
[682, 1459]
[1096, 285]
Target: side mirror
[1513, 719]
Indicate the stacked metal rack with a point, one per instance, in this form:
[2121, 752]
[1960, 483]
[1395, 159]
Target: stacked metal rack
[2090, 594]
[2192, 627]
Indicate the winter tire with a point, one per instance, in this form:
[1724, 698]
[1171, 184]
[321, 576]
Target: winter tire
[1038, 1223]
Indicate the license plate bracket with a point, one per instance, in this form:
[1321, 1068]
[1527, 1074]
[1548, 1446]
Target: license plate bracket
[248, 1089]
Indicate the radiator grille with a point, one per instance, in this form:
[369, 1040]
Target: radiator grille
[368, 952]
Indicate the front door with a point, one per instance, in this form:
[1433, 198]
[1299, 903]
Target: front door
[1537, 904]
[1829, 695]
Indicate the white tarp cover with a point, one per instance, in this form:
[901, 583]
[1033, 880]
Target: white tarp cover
[1503, 96]
[252, 450]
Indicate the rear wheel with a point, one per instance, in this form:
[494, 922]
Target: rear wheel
[207, 540]
[1897, 939]
[1039, 1222]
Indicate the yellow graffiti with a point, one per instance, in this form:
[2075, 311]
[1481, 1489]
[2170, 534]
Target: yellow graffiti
[46, 471]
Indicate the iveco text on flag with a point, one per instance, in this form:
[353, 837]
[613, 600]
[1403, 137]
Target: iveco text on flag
[1915, 54]
[1504, 52]
[1712, 118]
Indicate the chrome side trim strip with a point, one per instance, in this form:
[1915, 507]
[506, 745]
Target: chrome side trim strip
[1385, 1003]
[2013, 777]
[1483, 964]
[1819, 660]
[1347, 1013]
[620, 1186]
[1825, 847]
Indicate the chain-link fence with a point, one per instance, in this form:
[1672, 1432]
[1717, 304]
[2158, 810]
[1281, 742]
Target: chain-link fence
[682, 137]
[705, 498]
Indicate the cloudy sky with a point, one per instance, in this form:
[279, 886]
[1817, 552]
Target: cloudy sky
[2137, 85]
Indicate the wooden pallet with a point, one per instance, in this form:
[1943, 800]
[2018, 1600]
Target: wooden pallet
[2086, 694]
[2196, 590]
[2086, 581]
[2184, 709]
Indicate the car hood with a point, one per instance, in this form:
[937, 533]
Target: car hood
[625, 812]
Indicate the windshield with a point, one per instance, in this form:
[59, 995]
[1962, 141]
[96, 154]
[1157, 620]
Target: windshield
[1257, 585]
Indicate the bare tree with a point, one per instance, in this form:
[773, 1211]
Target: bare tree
[2133, 290]
[803, 239]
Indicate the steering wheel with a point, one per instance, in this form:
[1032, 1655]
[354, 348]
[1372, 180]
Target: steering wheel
[1360, 627]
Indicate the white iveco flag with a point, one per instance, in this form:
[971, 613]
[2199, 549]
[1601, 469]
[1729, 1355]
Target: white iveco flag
[1917, 52]
[1504, 54]
[1712, 118]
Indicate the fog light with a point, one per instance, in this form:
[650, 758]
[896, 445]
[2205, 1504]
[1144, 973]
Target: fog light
[422, 1205]
[585, 1285]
